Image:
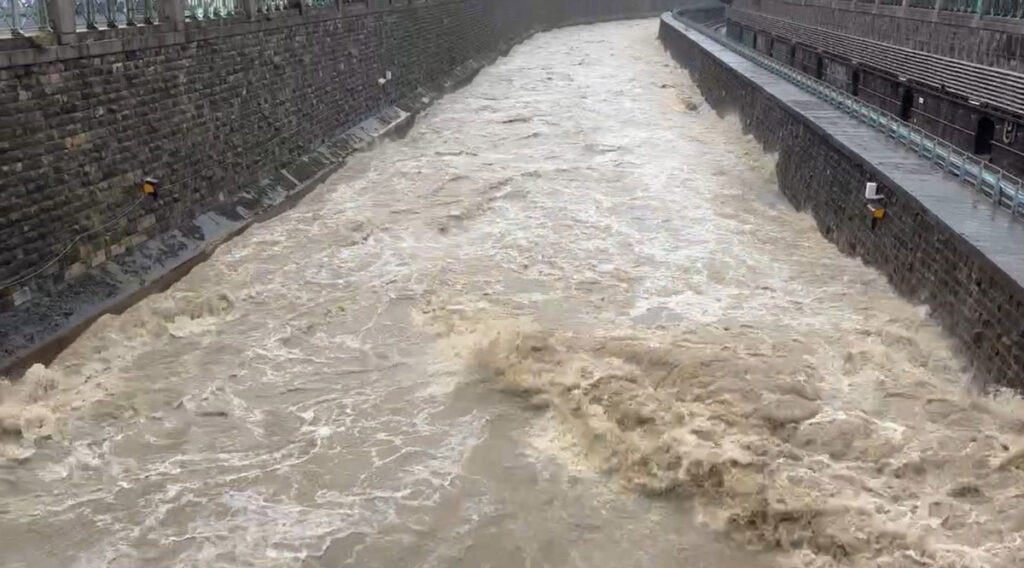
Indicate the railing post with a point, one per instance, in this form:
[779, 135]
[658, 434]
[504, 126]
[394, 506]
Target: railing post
[62, 16]
[110, 14]
[1016, 198]
[251, 8]
[13, 9]
[984, 6]
[998, 190]
[173, 12]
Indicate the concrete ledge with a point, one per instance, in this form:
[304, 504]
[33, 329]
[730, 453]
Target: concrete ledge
[940, 243]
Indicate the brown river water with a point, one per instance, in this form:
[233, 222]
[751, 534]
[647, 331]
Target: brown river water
[567, 321]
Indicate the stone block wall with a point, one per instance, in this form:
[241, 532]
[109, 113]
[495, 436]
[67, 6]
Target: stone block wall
[211, 108]
[923, 258]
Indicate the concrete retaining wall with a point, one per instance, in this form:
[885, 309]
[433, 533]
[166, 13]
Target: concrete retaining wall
[962, 262]
[231, 116]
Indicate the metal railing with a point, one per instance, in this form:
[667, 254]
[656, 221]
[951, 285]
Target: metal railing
[267, 6]
[94, 14]
[211, 9]
[998, 185]
[962, 6]
[929, 4]
[1006, 9]
[22, 17]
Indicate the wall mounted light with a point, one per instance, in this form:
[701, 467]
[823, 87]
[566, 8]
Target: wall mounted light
[149, 186]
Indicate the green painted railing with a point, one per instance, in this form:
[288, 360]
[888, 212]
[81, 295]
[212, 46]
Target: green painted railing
[963, 6]
[1006, 9]
[211, 9]
[22, 17]
[97, 14]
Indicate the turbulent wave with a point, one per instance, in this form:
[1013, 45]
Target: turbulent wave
[34, 406]
[749, 427]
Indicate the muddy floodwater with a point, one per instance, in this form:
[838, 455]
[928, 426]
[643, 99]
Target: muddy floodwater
[568, 321]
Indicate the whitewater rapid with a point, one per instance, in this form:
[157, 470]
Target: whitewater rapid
[567, 321]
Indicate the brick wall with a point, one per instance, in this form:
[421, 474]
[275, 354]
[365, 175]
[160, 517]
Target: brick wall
[924, 260]
[212, 108]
